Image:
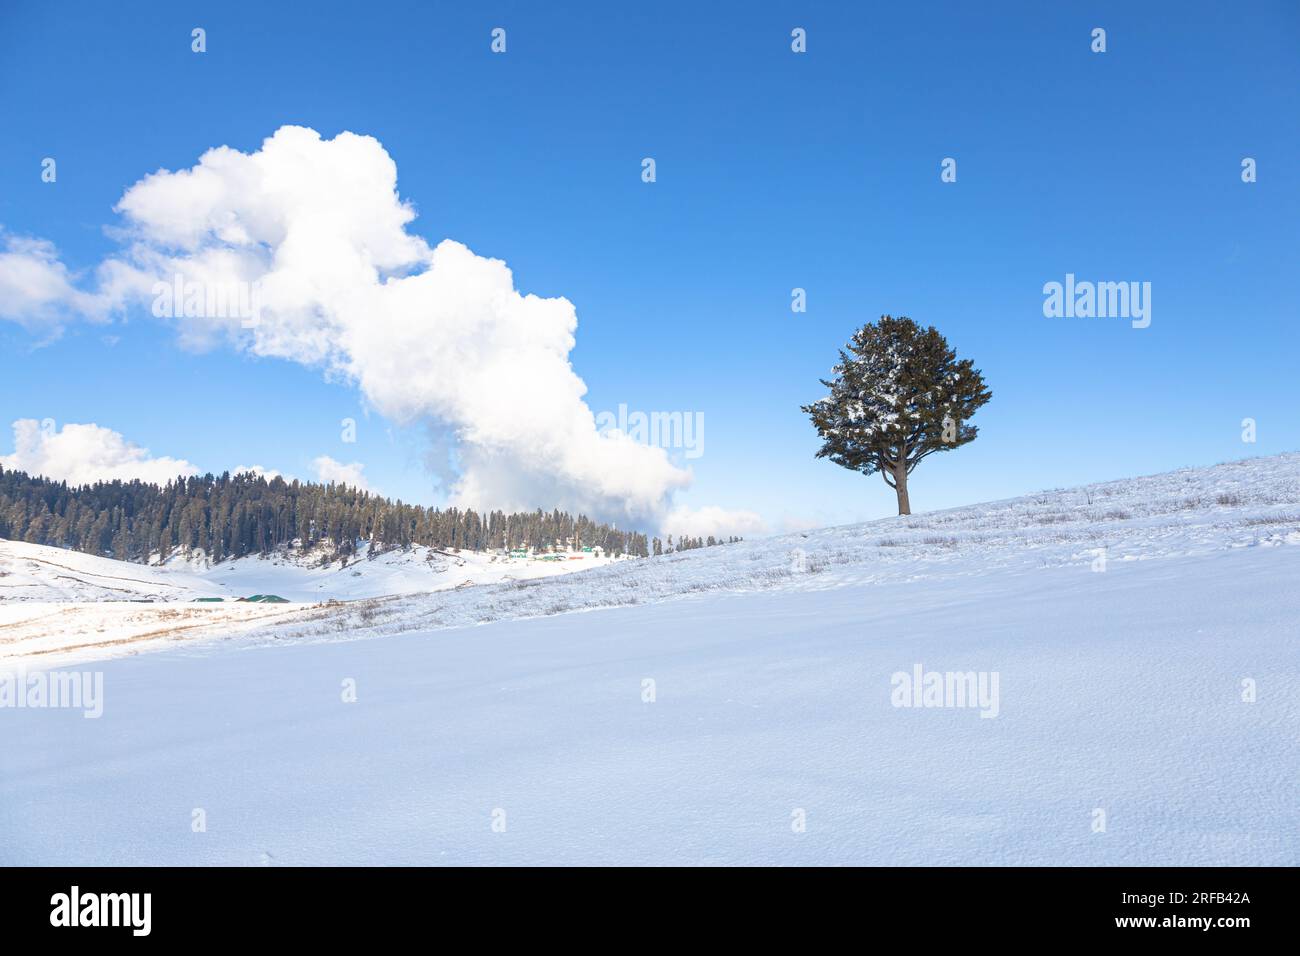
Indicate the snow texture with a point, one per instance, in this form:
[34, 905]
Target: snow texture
[1121, 690]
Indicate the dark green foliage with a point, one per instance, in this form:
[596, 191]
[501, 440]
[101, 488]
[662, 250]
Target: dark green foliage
[232, 516]
[899, 395]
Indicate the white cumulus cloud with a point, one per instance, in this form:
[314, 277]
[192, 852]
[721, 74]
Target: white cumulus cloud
[84, 454]
[327, 470]
[36, 288]
[315, 233]
[435, 334]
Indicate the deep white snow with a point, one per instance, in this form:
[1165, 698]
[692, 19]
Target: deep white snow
[52, 599]
[1159, 686]
[35, 573]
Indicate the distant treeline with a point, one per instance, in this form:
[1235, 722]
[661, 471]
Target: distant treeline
[232, 516]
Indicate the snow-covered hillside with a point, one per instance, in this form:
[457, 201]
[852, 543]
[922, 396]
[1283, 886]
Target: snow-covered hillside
[32, 572]
[728, 705]
[52, 599]
[1245, 504]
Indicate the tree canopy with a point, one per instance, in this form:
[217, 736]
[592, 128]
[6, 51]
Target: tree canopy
[897, 395]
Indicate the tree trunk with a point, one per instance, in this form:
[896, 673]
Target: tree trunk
[900, 486]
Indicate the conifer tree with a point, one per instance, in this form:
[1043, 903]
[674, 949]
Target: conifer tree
[899, 394]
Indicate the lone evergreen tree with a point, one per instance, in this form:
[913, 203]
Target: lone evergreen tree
[899, 394]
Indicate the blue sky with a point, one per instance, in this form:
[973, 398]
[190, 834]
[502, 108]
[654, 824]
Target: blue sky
[774, 170]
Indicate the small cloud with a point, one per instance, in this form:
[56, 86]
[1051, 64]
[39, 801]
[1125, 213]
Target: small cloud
[327, 470]
[267, 473]
[84, 454]
[37, 290]
[712, 520]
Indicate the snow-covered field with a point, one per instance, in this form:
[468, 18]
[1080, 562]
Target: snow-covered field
[52, 600]
[35, 573]
[1143, 636]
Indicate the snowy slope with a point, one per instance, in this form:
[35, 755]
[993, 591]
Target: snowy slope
[1247, 504]
[34, 572]
[1121, 690]
[419, 569]
[1251, 503]
[31, 572]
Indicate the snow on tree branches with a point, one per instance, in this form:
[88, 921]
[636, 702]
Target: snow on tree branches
[899, 394]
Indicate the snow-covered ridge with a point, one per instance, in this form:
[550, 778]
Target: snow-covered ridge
[1248, 503]
[53, 599]
[1194, 511]
[33, 572]
[36, 572]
